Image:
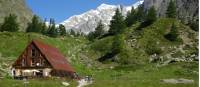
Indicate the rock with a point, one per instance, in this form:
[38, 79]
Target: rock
[65, 83]
[88, 21]
[177, 81]
[187, 10]
[83, 82]
[17, 7]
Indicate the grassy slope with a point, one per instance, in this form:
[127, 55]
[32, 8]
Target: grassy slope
[142, 74]
[12, 45]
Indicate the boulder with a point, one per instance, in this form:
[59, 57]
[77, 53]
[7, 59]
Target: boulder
[65, 83]
[177, 81]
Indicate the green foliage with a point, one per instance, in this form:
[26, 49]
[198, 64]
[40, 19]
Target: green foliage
[118, 44]
[52, 31]
[117, 24]
[44, 28]
[151, 16]
[36, 25]
[131, 17]
[194, 25]
[171, 10]
[62, 30]
[173, 34]
[152, 48]
[99, 31]
[102, 45]
[125, 57]
[10, 23]
[91, 36]
[140, 14]
[152, 38]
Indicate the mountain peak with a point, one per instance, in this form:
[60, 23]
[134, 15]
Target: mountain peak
[87, 21]
[106, 6]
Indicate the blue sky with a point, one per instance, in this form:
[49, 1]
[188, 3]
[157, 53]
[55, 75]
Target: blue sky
[60, 10]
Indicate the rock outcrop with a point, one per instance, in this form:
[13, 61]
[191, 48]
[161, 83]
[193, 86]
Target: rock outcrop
[187, 10]
[17, 7]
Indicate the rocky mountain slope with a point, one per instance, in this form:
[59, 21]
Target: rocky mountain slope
[187, 9]
[17, 7]
[87, 21]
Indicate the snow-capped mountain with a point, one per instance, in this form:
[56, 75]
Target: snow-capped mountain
[87, 21]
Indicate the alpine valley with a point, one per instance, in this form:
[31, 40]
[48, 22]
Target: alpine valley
[156, 44]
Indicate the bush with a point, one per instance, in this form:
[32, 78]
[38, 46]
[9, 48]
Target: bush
[152, 48]
[173, 34]
[194, 25]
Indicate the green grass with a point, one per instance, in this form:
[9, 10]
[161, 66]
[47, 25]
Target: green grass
[126, 76]
[147, 76]
[35, 83]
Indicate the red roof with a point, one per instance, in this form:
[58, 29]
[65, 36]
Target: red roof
[54, 56]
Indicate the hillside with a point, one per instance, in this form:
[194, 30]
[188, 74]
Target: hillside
[135, 66]
[13, 44]
[152, 39]
[186, 10]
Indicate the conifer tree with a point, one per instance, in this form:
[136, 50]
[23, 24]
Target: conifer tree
[35, 25]
[151, 16]
[10, 23]
[140, 14]
[171, 10]
[44, 28]
[62, 30]
[131, 17]
[117, 24]
[99, 30]
[52, 31]
[173, 34]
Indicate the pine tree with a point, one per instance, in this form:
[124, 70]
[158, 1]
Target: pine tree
[99, 30]
[35, 25]
[10, 23]
[151, 16]
[173, 34]
[171, 10]
[140, 14]
[131, 17]
[62, 30]
[44, 28]
[52, 31]
[117, 24]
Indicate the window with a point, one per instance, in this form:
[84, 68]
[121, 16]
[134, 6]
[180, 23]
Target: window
[33, 52]
[33, 62]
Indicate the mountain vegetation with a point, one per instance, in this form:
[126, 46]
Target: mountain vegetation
[138, 50]
[99, 31]
[117, 24]
[171, 10]
[35, 25]
[10, 24]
